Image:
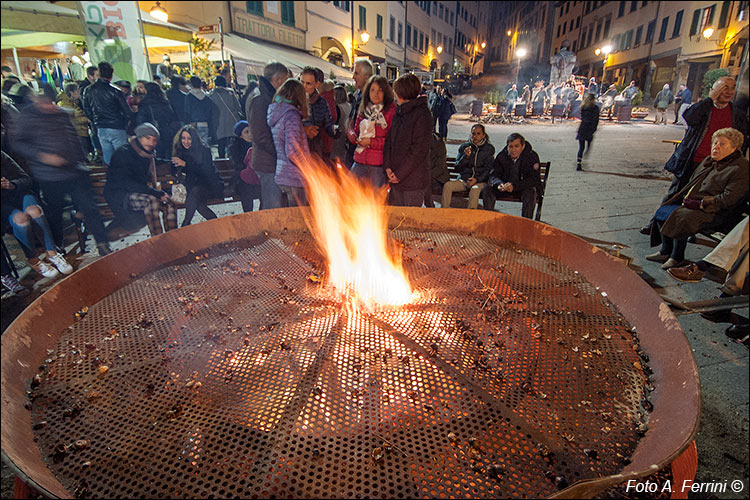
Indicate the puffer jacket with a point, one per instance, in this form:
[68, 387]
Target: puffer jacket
[528, 176]
[373, 154]
[264, 150]
[407, 146]
[80, 120]
[290, 142]
[478, 165]
[105, 105]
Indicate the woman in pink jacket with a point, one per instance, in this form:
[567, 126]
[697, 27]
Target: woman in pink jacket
[373, 121]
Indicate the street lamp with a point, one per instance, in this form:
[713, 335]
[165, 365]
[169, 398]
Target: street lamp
[708, 32]
[159, 13]
[440, 49]
[484, 44]
[604, 50]
[509, 32]
[365, 36]
[520, 54]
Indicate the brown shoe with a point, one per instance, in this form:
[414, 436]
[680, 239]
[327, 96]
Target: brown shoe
[689, 273]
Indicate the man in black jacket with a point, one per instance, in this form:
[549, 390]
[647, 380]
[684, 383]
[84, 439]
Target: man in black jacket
[264, 151]
[176, 96]
[516, 170]
[128, 177]
[105, 105]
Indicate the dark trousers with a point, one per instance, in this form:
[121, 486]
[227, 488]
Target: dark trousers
[528, 200]
[582, 147]
[222, 145]
[196, 200]
[443, 128]
[248, 193]
[406, 198]
[677, 105]
[79, 189]
[672, 247]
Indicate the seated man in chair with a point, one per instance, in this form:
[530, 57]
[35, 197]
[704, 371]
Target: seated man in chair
[516, 170]
[130, 172]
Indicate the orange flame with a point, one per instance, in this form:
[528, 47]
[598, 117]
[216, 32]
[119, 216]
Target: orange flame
[349, 222]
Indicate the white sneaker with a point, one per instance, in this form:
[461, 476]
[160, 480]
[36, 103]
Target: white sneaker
[44, 269]
[60, 263]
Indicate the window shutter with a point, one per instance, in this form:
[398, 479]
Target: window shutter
[696, 20]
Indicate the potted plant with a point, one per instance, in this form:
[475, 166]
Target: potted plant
[639, 113]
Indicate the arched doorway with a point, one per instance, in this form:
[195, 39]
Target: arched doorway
[334, 51]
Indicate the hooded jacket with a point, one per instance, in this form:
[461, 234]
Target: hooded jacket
[160, 114]
[478, 165]
[407, 146]
[198, 107]
[290, 142]
[129, 172]
[521, 173]
[373, 154]
[105, 105]
[264, 150]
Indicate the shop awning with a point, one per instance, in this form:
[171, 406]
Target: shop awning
[47, 19]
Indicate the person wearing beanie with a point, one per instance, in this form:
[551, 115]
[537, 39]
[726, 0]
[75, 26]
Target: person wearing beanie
[227, 107]
[132, 187]
[245, 181]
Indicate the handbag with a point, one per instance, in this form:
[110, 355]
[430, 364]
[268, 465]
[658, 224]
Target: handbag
[179, 191]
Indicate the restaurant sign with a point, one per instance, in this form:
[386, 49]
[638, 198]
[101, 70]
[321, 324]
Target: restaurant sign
[113, 34]
[264, 30]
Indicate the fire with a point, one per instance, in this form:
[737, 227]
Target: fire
[349, 222]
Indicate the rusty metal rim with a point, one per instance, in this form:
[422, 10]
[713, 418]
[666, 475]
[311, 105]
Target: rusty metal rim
[102, 277]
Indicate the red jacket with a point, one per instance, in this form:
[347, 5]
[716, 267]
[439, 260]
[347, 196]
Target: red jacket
[373, 154]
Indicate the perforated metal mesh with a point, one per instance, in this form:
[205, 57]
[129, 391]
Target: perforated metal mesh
[232, 374]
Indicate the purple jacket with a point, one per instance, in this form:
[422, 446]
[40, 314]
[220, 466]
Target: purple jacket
[289, 139]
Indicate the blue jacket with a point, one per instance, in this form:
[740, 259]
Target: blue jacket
[289, 140]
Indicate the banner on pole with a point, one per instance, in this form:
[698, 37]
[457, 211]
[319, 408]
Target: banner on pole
[113, 34]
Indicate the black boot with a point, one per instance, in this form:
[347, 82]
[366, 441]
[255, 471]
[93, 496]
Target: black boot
[104, 249]
[579, 167]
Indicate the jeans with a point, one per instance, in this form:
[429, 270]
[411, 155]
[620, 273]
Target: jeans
[79, 189]
[23, 233]
[582, 148]
[672, 247]
[202, 128]
[443, 128]
[372, 173]
[222, 144]
[295, 195]
[270, 192]
[248, 193]
[111, 139]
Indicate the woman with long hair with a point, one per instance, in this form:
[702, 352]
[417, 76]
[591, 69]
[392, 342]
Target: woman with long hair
[285, 115]
[155, 109]
[245, 181]
[589, 122]
[373, 122]
[202, 180]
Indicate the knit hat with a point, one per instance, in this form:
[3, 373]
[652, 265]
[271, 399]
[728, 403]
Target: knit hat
[220, 81]
[145, 129]
[239, 127]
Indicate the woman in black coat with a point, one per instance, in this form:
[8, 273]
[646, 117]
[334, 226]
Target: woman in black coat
[201, 177]
[155, 109]
[406, 155]
[589, 122]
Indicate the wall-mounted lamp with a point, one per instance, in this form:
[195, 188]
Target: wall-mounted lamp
[159, 13]
[440, 49]
[365, 36]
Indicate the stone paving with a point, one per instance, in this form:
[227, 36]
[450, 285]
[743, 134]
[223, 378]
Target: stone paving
[620, 187]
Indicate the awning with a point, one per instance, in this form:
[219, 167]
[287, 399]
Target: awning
[47, 19]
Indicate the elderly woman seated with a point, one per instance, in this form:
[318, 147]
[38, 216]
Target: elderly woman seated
[718, 185]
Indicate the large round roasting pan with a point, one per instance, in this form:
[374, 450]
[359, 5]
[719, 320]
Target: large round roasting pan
[675, 397]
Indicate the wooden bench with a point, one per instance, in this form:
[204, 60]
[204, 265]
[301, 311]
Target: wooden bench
[119, 226]
[512, 197]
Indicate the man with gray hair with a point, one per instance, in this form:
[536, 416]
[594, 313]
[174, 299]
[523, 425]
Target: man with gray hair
[363, 70]
[703, 119]
[264, 151]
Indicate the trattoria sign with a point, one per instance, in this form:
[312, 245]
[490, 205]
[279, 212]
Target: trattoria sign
[113, 34]
[264, 30]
